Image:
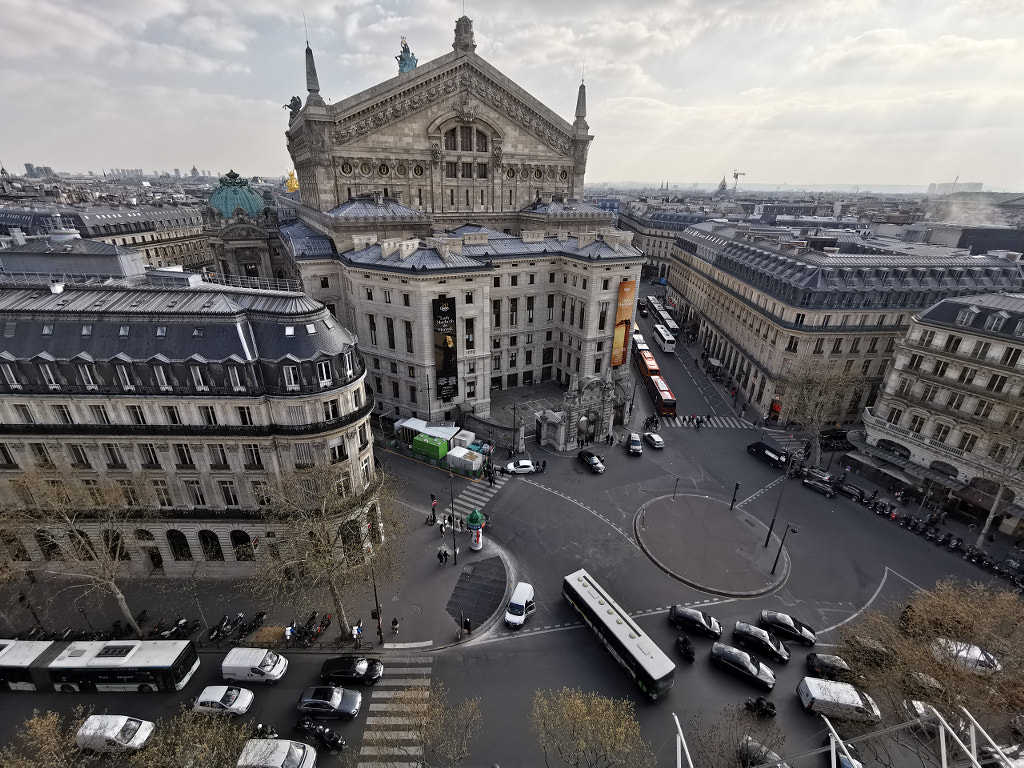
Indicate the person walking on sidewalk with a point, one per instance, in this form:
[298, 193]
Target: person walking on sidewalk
[444, 525]
[441, 556]
[445, 555]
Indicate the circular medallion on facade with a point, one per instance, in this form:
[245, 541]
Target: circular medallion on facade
[418, 170]
[346, 167]
[383, 169]
[401, 170]
[511, 173]
[525, 173]
[551, 173]
[365, 169]
[538, 173]
[563, 175]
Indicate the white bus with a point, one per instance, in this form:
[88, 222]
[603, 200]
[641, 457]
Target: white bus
[97, 665]
[650, 668]
[664, 339]
[668, 322]
[639, 345]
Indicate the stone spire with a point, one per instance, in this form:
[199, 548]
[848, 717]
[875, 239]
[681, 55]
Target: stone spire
[581, 110]
[464, 35]
[312, 81]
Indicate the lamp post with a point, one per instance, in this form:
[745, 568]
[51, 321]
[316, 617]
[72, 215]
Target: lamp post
[376, 602]
[428, 397]
[85, 616]
[674, 489]
[633, 396]
[451, 488]
[734, 492]
[781, 545]
[775, 514]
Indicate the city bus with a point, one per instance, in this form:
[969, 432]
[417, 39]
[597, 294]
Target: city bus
[662, 397]
[97, 665]
[668, 322]
[639, 345]
[654, 306]
[664, 339]
[650, 668]
[647, 364]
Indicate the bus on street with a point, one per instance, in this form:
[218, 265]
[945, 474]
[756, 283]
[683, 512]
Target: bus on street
[662, 397]
[664, 339]
[650, 668]
[647, 364]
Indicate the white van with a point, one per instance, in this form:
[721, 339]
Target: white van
[839, 700]
[253, 664]
[520, 606]
[113, 733]
[276, 753]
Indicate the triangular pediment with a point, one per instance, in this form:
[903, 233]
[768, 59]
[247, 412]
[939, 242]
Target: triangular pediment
[460, 79]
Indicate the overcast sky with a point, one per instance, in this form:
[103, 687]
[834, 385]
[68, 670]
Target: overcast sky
[787, 91]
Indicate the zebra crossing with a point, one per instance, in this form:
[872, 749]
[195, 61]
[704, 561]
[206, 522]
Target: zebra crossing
[715, 422]
[476, 495]
[392, 736]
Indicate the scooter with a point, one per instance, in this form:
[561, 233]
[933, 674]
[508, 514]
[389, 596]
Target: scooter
[760, 707]
[329, 740]
[305, 726]
[685, 647]
[261, 731]
[216, 632]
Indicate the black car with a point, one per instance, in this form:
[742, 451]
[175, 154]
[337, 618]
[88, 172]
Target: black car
[681, 617]
[761, 641]
[786, 626]
[829, 667]
[327, 701]
[820, 486]
[591, 461]
[854, 492]
[351, 670]
[751, 752]
[743, 665]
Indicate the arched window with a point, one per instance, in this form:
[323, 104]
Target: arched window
[114, 542]
[82, 545]
[141, 534]
[15, 549]
[49, 545]
[242, 545]
[180, 550]
[211, 545]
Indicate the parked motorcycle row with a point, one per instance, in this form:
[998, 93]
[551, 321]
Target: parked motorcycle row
[304, 635]
[179, 628]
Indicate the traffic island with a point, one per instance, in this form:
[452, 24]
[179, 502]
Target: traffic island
[699, 541]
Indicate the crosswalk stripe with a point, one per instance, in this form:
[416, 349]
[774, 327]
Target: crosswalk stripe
[409, 706]
[389, 720]
[390, 764]
[377, 751]
[391, 682]
[413, 694]
[382, 735]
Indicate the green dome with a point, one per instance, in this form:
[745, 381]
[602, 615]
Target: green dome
[234, 192]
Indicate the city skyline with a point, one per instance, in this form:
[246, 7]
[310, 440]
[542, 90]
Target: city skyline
[855, 93]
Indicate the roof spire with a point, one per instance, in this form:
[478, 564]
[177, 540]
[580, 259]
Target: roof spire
[581, 110]
[464, 35]
[312, 81]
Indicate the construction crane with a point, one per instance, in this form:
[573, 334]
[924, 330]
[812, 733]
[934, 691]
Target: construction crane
[736, 180]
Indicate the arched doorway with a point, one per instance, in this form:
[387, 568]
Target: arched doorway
[180, 550]
[210, 543]
[944, 469]
[49, 545]
[241, 543]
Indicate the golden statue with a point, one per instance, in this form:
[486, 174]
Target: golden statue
[292, 184]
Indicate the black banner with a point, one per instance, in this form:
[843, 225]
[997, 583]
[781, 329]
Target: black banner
[446, 349]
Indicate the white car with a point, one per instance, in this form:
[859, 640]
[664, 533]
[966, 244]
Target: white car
[113, 733]
[224, 700]
[968, 656]
[521, 467]
[654, 439]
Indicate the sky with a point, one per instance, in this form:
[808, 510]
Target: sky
[788, 92]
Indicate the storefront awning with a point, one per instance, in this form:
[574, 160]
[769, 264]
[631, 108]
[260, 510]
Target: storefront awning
[714, 362]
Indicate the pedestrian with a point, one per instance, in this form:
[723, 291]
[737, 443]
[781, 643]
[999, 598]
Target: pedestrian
[490, 478]
[511, 453]
[440, 556]
[544, 466]
[442, 528]
[466, 626]
[445, 560]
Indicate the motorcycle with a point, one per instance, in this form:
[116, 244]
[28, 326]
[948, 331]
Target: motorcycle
[217, 631]
[329, 740]
[175, 630]
[760, 706]
[261, 731]
[942, 539]
[685, 647]
[252, 626]
[232, 625]
[305, 726]
[955, 544]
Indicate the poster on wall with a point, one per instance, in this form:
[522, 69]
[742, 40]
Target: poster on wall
[446, 351]
[623, 321]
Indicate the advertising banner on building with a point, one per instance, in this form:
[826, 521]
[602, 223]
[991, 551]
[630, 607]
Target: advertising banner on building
[623, 321]
[446, 351]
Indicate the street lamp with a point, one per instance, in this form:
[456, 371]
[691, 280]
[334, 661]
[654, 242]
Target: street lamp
[734, 492]
[376, 602]
[674, 489]
[781, 544]
[775, 514]
[451, 488]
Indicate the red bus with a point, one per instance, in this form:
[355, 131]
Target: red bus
[662, 397]
[647, 364]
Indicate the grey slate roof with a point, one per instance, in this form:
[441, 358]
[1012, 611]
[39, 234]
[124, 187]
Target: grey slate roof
[564, 208]
[371, 207]
[302, 241]
[946, 312]
[72, 256]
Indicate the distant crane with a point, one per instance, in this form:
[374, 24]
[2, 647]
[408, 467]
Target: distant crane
[736, 180]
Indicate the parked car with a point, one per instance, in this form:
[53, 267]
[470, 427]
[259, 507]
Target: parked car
[760, 641]
[742, 665]
[327, 701]
[854, 492]
[223, 700]
[351, 670]
[829, 667]
[786, 626]
[521, 467]
[654, 439]
[633, 445]
[970, 657]
[643, 311]
[817, 473]
[751, 752]
[681, 617]
[770, 454]
[113, 733]
[841, 760]
[591, 461]
[824, 489]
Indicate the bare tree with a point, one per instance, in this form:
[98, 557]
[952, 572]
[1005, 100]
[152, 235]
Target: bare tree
[1004, 463]
[47, 739]
[587, 730]
[816, 394]
[80, 526]
[427, 727]
[193, 739]
[719, 744]
[327, 539]
[896, 656]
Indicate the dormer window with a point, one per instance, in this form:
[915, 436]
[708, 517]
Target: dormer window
[123, 332]
[966, 316]
[161, 331]
[289, 330]
[198, 332]
[47, 330]
[310, 328]
[996, 321]
[87, 330]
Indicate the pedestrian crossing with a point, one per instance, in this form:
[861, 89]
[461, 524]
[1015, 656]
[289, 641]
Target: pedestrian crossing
[476, 495]
[715, 422]
[393, 735]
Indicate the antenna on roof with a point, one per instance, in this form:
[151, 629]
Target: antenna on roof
[583, 74]
[304, 27]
